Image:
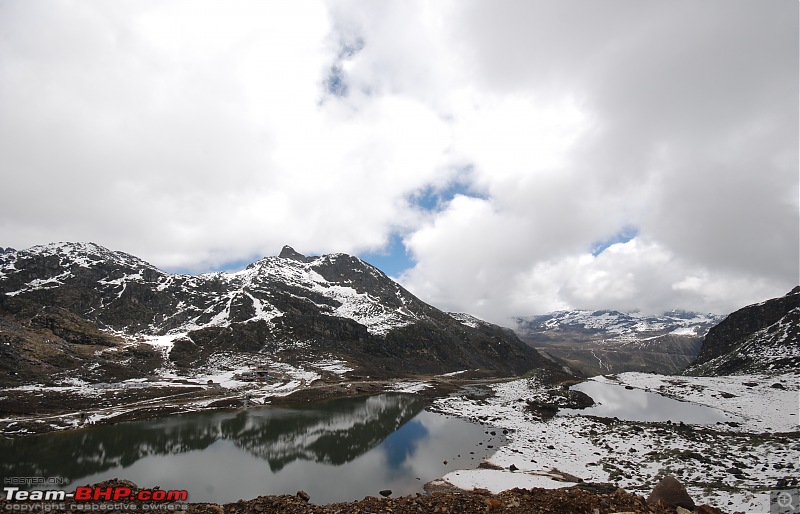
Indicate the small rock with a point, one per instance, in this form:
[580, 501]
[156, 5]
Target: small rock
[493, 503]
[488, 465]
[672, 493]
[303, 496]
[512, 468]
[385, 492]
[777, 385]
[681, 510]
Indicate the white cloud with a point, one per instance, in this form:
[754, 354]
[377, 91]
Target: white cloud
[636, 275]
[198, 133]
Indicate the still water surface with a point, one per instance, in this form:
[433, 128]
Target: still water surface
[636, 405]
[337, 450]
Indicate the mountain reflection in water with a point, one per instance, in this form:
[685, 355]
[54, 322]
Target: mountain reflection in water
[335, 450]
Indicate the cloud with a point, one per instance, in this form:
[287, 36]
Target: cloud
[206, 144]
[501, 141]
[682, 127]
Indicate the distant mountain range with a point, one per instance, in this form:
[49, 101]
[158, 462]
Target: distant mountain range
[81, 310]
[760, 338]
[606, 341]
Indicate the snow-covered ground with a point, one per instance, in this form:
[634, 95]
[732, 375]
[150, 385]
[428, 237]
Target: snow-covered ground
[220, 379]
[730, 466]
[409, 387]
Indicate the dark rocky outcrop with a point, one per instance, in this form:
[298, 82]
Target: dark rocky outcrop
[547, 405]
[287, 252]
[763, 337]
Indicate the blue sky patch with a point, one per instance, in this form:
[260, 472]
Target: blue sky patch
[335, 83]
[392, 260]
[624, 235]
[432, 199]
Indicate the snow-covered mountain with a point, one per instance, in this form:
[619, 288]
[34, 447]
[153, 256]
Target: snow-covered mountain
[617, 326]
[607, 341]
[337, 285]
[759, 338]
[82, 293]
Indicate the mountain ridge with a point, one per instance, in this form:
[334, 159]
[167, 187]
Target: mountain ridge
[287, 304]
[762, 337]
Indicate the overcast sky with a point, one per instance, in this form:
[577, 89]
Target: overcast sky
[496, 157]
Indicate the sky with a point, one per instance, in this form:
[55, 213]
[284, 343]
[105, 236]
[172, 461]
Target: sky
[501, 158]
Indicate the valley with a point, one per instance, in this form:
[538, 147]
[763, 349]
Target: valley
[95, 339]
[597, 342]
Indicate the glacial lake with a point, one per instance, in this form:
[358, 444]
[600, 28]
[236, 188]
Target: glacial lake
[615, 401]
[338, 450]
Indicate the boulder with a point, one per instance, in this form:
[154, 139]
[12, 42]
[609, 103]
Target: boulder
[672, 493]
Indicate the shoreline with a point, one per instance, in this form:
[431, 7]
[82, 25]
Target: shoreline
[59, 408]
[718, 463]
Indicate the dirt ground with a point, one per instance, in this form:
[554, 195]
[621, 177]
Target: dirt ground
[520, 501]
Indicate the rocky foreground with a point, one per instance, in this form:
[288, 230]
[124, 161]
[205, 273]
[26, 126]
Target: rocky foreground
[667, 498]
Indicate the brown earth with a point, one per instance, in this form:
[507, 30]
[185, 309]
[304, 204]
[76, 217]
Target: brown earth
[521, 501]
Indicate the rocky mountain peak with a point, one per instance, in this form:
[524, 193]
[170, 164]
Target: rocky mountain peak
[336, 303]
[287, 252]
